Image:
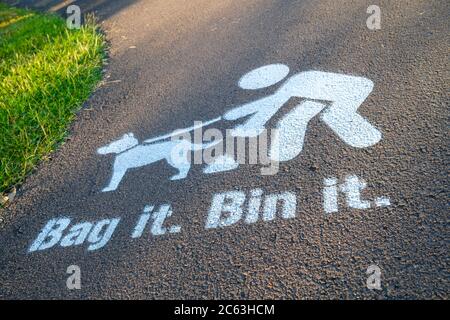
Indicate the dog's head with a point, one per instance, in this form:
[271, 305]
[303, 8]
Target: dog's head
[126, 142]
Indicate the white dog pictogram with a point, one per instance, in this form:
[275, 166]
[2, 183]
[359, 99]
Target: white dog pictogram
[131, 154]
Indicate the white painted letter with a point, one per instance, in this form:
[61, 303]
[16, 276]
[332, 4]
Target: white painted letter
[352, 188]
[289, 206]
[142, 223]
[98, 241]
[218, 206]
[254, 205]
[50, 234]
[77, 234]
[159, 217]
[330, 196]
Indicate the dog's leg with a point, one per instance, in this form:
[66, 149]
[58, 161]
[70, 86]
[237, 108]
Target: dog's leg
[183, 172]
[182, 166]
[115, 179]
[178, 158]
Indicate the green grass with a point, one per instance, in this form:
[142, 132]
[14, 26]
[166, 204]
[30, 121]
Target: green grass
[46, 72]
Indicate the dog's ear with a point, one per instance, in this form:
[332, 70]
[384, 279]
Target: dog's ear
[129, 135]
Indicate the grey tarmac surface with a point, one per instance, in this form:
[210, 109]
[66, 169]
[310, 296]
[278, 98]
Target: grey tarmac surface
[173, 62]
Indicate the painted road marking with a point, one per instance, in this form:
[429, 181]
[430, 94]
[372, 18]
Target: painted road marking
[264, 77]
[181, 131]
[131, 154]
[290, 137]
[352, 188]
[344, 93]
[227, 209]
[336, 97]
[95, 234]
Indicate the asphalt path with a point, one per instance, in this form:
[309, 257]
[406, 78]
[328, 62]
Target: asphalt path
[173, 62]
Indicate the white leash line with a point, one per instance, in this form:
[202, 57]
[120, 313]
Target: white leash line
[177, 132]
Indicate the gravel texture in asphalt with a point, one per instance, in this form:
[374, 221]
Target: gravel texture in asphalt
[173, 62]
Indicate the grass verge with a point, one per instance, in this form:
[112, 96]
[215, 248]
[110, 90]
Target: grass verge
[46, 72]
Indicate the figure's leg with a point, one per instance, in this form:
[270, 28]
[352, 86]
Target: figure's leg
[345, 94]
[178, 158]
[290, 135]
[351, 127]
[183, 169]
[182, 172]
[115, 179]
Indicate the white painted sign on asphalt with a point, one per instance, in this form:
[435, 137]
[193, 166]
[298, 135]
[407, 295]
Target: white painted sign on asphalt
[336, 97]
[227, 208]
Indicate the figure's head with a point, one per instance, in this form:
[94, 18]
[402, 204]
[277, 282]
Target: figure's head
[264, 77]
[126, 142]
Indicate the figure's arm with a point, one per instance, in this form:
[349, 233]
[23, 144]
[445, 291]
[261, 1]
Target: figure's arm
[261, 110]
[244, 110]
